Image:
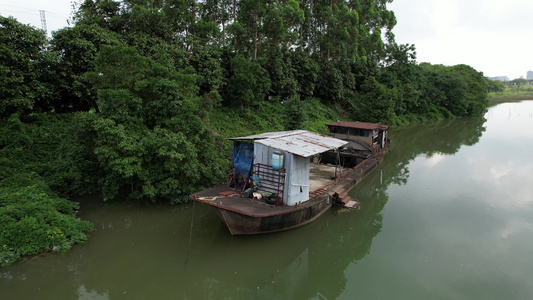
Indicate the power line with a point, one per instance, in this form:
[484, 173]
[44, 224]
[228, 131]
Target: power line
[29, 9]
[39, 18]
[33, 12]
[43, 21]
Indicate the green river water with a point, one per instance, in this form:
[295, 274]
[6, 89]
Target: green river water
[448, 215]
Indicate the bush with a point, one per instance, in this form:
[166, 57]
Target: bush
[33, 219]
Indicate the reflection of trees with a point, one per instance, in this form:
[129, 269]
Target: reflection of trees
[297, 264]
[444, 136]
[347, 239]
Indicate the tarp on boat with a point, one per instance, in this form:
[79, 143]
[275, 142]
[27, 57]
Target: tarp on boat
[243, 158]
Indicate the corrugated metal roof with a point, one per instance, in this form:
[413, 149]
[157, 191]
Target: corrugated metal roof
[361, 125]
[303, 143]
[268, 135]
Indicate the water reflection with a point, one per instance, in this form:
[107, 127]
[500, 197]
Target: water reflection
[144, 254]
[83, 293]
[460, 224]
[290, 265]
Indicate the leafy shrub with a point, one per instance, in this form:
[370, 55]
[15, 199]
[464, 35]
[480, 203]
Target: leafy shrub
[33, 219]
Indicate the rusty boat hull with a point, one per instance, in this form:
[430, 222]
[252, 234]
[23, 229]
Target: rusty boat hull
[244, 216]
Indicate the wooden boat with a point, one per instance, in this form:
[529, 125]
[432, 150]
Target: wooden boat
[276, 186]
[251, 216]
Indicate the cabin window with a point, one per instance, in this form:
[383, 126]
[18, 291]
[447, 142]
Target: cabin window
[338, 130]
[351, 131]
[355, 131]
[361, 132]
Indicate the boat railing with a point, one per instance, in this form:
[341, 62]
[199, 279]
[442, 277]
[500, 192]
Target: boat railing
[268, 181]
[317, 193]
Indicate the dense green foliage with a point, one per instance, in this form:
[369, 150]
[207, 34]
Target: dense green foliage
[141, 94]
[32, 216]
[23, 68]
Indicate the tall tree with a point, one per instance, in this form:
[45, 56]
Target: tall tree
[293, 16]
[182, 16]
[248, 82]
[247, 29]
[149, 134]
[217, 12]
[77, 48]
[476, 89]
[106, 14]
[22, 52]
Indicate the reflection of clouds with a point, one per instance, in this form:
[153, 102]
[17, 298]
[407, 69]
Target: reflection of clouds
[496, 173]
[511, 179]
[433, 160]
[510, 121]
[83, 293]
[462, 224]
[513, 227]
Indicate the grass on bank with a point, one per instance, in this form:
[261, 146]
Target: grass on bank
[511, 94]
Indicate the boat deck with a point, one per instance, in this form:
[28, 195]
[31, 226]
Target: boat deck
[320, 179]
[320, 175]
[229, 198]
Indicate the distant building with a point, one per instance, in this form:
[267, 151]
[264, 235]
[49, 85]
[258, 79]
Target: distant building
[499, 78]
[529, 75]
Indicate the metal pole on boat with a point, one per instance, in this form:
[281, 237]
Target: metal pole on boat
[337, 163]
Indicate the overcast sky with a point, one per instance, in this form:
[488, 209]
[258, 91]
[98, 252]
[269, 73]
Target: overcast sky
[27, 12]
[493, 36]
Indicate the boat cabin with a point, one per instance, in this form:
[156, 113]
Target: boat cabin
[276, 165]
[364, 140]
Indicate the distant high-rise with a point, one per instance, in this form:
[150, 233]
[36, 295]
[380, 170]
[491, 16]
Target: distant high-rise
[529, 75]
[499, 78]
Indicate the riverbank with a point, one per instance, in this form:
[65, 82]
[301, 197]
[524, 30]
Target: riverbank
[511, 94]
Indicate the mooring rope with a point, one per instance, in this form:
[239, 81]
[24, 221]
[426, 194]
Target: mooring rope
[190, 233]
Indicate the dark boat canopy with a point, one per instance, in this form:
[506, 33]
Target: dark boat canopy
[360, 125]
